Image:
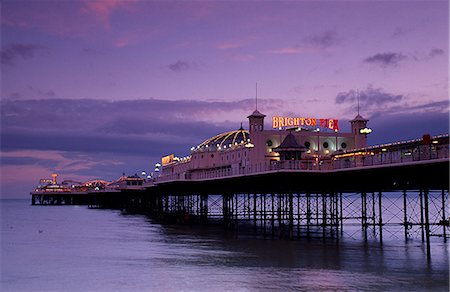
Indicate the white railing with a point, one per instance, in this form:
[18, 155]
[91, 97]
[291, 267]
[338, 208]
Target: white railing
[420, 153]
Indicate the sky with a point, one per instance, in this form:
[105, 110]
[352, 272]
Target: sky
[94, 89]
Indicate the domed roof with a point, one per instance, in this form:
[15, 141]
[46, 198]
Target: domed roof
[225, 140]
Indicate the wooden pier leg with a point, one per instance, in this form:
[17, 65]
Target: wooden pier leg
[374, 223]
[291, 216]
[236, 211]
[364, 214]
[405, 215]
[317, 209]
[255, 197]
[336, 215]
[324, 216]
[298, 214]
[444, 220]
[308, 214]
[341, 214]
[204, 208]
[380, 214]
[279, 211]
[264, 213]
[225, 209]
[273, 215]
[427, 224]
[421, 216]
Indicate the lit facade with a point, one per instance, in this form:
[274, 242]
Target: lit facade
[307, 142]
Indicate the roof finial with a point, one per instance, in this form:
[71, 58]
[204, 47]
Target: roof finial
[256, 97]
[357, 97]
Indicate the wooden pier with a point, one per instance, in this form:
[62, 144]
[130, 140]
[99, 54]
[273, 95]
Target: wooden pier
[294, 203]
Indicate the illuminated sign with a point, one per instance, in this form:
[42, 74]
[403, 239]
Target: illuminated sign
[365, 131]
[167, 159]
[280, 122]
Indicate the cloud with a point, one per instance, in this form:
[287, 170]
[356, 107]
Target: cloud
[385, 60]
[92, 52]
[136, 127]
[103, 9]
[401, 31]
[180, 66]
[230, 45]
[397, 126]
[436, 107]
[368, 98]
[435, 52]
[323, 40]
[289, 50]
[12, 52]
[43, 93]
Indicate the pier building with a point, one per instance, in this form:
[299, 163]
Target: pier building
[307, 143]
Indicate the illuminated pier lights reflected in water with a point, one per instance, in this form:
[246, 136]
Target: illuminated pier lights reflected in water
[123, 252]
[350, 264]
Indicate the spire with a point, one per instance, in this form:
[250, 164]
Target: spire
[357, 97]
[256, 97]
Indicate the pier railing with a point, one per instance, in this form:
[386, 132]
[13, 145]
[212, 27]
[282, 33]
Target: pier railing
[368, 158]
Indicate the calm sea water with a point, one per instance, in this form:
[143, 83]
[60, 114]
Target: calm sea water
[71, 248]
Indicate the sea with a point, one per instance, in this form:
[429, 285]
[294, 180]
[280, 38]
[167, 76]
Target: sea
[74, 248]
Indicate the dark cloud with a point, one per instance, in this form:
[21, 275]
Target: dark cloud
[324, 40]
[92, 52]
[435, 52]
[43, 93]
[12, 52]
[179, 66]
[401, 31]
[368, 98]
[385, 60]
[135, 127]
[437, 107]
[408, 125]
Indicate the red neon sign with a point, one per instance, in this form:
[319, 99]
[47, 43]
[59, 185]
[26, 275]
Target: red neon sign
[281, 122]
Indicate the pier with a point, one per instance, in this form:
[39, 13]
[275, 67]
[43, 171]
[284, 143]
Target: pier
[413, 197]
[399, 189]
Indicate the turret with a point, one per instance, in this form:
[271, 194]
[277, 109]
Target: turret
[360, 131]
[256, 122]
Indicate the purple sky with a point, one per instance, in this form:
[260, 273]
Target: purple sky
[91, 89]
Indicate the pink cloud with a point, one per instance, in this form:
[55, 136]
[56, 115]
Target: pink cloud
[134, 37]
[289, 50]
[230, 45]
[102, 9]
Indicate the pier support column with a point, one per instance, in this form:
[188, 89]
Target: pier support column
[427, 224]
[226, 209]
[324, 215]
[380, 216]
[341, 214]
[364, 214]
[204, 208]
[291, 216]
[308, 214]
[444, 219]
[255, 210]
[421, 216]
[405, 215]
